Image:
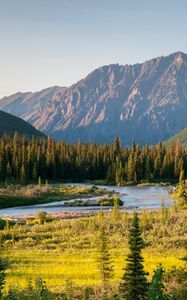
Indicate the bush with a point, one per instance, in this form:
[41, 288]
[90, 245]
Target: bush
[109, 201]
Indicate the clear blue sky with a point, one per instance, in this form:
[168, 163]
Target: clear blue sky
[58, 42]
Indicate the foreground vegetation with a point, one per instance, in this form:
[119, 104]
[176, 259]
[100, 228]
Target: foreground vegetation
[64, 253]
[23, 160]
[18, 195]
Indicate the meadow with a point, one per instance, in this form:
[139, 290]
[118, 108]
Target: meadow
[62, 250]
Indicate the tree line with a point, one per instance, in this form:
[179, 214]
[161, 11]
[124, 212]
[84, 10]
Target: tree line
[28, 159]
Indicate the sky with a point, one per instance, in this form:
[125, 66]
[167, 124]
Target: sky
[58, 42]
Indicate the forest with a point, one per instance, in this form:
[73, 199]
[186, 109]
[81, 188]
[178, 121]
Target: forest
[24, 160]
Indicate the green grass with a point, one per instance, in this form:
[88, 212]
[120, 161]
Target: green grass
[66, 249]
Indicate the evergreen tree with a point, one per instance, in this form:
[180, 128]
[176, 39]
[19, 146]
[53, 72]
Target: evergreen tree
[164, 212]
[101, 216]
[35, 172]
[104, 260]
[156, 287]
[181, 192]
[39, 181]
[46, 184]
[117, 147]
[116, 213]
[2, 276]
[134, 283]
[23, 174]
[181, 176]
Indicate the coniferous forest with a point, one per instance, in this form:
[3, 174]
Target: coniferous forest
[24, 160]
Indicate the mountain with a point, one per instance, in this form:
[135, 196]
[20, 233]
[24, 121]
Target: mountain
[146, 102]
[180, 136]
[10, 124]
[27, 105]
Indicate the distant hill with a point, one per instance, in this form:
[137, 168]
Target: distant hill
[146, 102]
[180, 136]
[10, 124]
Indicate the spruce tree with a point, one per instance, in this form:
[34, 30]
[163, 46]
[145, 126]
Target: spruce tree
[104, 260]
[47, 184]
[2, 276]
[134, 285]
[156, 288]
[116, 213]
[39, 182]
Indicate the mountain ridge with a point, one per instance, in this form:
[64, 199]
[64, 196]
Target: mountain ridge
[145, 101]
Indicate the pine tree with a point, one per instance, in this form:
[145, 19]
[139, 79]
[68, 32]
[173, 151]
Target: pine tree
[164, 212]
[35, 172]
[181, 192]
[119, 173]
[134, 284]
[104, 260]
[46, 184]
[39, 181]
[116, 213]
[130, 169]
[2, 276]
[181, 175]
[156, 288]
[23, 174]
[117, 147]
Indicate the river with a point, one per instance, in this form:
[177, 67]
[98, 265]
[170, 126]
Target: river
[133, 196]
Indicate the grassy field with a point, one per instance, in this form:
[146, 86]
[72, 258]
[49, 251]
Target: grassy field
[67, 249]
[18, 195]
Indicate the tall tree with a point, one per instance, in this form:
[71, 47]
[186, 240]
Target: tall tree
[104, 260]
[134, 285]
[2, 276]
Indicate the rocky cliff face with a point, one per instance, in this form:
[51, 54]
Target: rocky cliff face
[146, 101]
[28, 105]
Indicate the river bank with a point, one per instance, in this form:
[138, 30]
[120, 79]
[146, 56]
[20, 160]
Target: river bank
[17, 195]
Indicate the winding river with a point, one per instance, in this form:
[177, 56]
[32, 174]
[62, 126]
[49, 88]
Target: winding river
[132, 196]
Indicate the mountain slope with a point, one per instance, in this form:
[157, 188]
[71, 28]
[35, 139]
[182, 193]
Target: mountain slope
[10, 124]
[180, 136]
[26, 105]
[145, 101]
